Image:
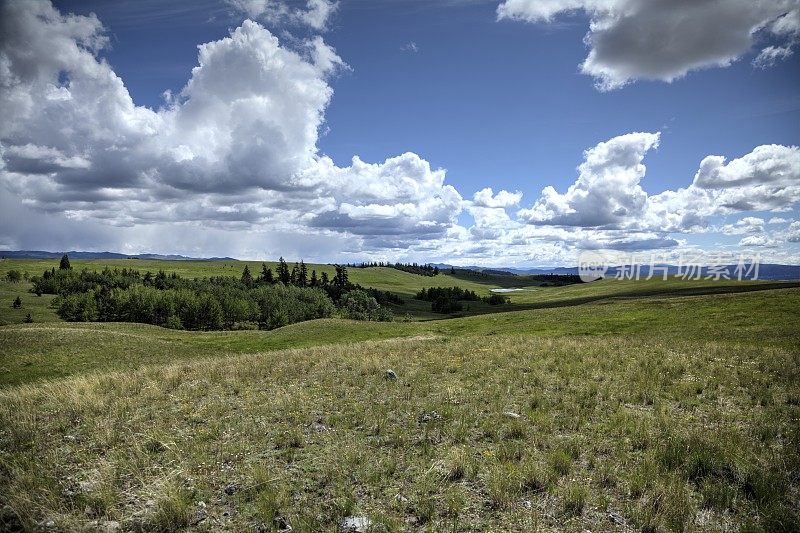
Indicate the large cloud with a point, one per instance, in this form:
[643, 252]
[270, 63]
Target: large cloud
[608, 193]
[236, 148]
[665, 39]
[766, 179]
[400, 197]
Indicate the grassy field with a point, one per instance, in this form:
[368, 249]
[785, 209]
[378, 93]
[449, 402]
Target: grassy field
[386, 279]
[55, 350]
[657, 406]
[382, 278]
[654, 427]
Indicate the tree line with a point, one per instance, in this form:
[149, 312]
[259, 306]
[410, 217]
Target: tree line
[413, 268]
[266, 301]
[447, 300]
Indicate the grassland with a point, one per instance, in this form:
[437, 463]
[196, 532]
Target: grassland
[533, 296]
[610, 406]
[32, 352]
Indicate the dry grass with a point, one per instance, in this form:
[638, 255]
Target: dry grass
[664, 434]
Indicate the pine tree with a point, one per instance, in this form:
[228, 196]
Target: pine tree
[294, 274]
[324, 279]
[266, 274]
[302, 275]
[340, 280]
[314, 280]
[28, 318]
[64, 265]
[17, 303]
[283, 272]
[247, 278]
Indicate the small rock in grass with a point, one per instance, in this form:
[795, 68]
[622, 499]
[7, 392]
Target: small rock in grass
[390, 375]
[106, 526]
[356, 524]
[281, 524]
[511, 414]
[231, 489]
[47, 524]
[616, 518]
[198, 516]
[319, 426]
[427, 417]
[86, 486]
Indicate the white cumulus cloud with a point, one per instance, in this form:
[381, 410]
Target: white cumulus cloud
[236, 148]
[607, 192]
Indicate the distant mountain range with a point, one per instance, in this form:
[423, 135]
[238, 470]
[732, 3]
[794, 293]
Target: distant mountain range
[766, 271]
[38, 254]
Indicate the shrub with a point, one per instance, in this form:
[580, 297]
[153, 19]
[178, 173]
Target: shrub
[173, 322]
[359, 305]
[497, 299]
[78, 307]
[445, 305]
[574, 499]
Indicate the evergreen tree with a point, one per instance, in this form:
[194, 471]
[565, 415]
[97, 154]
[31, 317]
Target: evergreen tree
[294, 275]
[28, 318]
[247, 278]
[302, 275]
[324, 279]
[266, 274]
[340, 280]
[314, 280]
[283, 272]
[64, 265]
[17, 303]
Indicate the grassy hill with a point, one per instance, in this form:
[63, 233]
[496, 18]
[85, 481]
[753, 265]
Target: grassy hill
[59, 349]
[608, 406]
[532, 296]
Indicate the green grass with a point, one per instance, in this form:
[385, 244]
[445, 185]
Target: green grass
[608, 406]
[668, 434]
[381, 278]
[387, 279]
[55, 350]
[38, 306]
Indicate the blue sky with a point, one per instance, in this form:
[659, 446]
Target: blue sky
[496, 103]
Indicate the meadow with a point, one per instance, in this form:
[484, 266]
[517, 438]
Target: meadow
[617, 405]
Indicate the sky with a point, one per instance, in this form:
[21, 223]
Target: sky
[513, 133]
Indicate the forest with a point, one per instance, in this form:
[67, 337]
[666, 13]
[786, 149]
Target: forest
[265, 301]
